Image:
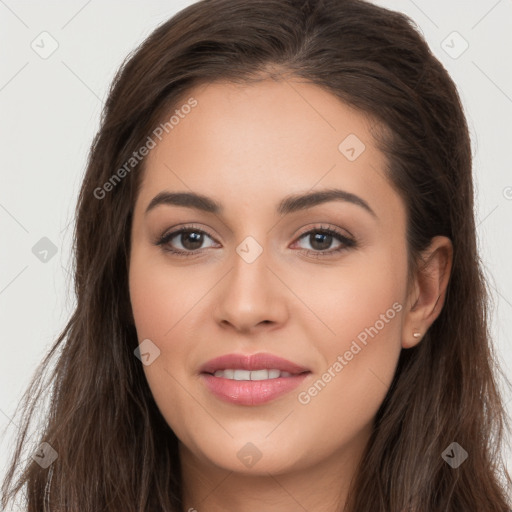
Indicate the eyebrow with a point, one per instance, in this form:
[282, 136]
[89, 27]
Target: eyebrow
[288, 205]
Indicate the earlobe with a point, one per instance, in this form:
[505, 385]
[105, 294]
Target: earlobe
[429, 291]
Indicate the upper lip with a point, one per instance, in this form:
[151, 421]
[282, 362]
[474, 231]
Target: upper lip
[260, 361]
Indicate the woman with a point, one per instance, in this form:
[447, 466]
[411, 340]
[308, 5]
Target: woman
[280, 305]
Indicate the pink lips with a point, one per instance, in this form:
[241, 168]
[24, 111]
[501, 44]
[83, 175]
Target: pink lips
[248, 392]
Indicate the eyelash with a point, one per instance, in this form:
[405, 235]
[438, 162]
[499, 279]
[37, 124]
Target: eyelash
[346, 242]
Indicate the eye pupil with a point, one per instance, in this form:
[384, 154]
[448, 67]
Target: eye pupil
[197, 240]
[321, 241]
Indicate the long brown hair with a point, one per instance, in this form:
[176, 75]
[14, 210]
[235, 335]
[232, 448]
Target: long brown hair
[115, 450]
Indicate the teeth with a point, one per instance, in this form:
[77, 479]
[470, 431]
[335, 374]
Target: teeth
[242, 375]
[251, 375]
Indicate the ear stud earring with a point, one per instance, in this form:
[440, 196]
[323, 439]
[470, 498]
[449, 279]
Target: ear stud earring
[417, 334]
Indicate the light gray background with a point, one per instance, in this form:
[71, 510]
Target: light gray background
[50, 111]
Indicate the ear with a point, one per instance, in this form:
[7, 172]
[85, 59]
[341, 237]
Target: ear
[427, 291]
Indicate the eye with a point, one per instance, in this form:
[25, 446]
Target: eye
[186, 241]
[189, 241]
[321, 241]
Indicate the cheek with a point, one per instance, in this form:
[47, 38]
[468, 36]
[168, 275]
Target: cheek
[163, 301]
[364, 310]
[368, 308]
[161, 297]
[362, 295]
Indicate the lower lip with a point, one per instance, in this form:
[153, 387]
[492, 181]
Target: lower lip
[251, 392]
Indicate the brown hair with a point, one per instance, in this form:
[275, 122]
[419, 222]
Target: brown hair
[115, 450]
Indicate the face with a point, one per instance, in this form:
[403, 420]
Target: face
[268, 267]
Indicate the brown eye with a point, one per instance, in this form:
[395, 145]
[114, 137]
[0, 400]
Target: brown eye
[320, 241]
[185, 242]
[191, 240]
[326, 241]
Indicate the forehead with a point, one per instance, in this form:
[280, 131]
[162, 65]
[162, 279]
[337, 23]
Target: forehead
[269, 139]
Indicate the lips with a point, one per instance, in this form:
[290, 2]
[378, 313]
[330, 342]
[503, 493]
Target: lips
[253, 379]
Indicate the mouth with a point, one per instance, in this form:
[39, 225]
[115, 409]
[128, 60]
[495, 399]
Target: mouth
[251, 379]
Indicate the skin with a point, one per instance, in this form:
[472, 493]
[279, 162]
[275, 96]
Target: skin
[248, 147]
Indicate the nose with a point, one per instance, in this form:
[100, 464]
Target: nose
[251, 297]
